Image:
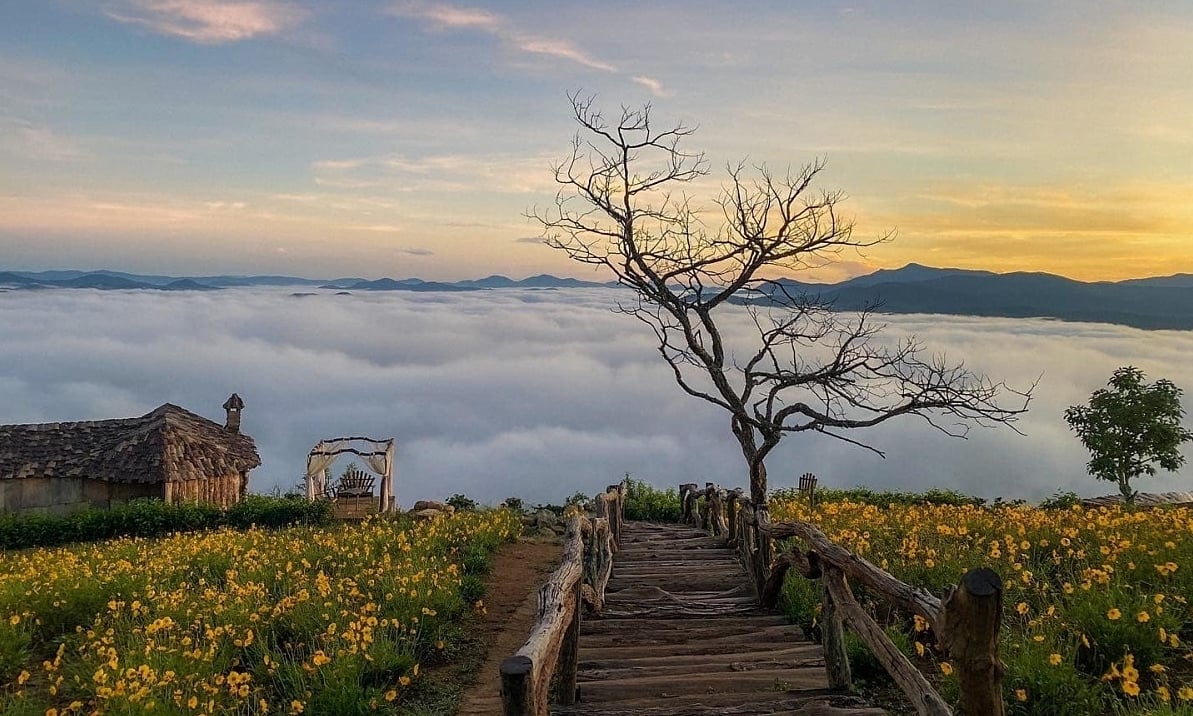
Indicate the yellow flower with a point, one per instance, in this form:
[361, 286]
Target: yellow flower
[391, 695]
[1185, 693]
[296, 706]
[1022, 608]
[1114, 614]
[1143, 617]
[1054, 659]
[1021, 694]
[946, 668]
[919, 648]
[1130, 688]
[404, 680]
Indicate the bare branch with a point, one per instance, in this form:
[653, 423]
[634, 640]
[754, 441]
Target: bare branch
[621, 205]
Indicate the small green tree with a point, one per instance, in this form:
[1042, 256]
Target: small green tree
[1130, 427]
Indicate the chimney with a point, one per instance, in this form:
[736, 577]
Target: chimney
[233, 405]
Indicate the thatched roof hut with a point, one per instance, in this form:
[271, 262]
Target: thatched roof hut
[169, 453]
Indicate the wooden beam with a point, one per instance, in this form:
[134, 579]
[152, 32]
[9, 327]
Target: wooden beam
[921, 694]
[557, 609]
[902, 595]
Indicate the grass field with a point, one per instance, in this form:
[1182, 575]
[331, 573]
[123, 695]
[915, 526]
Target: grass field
[334, 620]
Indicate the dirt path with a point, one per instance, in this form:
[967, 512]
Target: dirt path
[518, 571]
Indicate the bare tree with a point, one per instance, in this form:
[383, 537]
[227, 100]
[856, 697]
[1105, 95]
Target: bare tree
[622, 205]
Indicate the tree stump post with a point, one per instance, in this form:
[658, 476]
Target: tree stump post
[685, 491]
[969, 627]
[517, 697]
[832, 630]
[569, 654]
[731, 515]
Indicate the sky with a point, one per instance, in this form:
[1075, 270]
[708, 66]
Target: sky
[532, 394]
[409, 138]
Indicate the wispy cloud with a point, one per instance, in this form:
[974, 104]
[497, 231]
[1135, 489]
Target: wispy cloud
[377, 228]
[500, 173]
[656, 88]
[562, 49]
[210, 22]
[448, 16]
[38, 142]
[442, 16]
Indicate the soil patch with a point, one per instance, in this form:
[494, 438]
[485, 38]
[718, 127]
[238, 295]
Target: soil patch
[511, 602]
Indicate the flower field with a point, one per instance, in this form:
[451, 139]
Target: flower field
[1097, 613]
[304, 620]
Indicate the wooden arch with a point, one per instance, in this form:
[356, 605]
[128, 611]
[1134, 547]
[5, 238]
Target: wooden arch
[378, 456]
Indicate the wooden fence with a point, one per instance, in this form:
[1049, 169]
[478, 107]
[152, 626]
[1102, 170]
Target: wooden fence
[965, 622]
[553, 649]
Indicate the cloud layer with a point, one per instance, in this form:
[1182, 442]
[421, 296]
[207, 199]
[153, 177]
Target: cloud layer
[537, 394]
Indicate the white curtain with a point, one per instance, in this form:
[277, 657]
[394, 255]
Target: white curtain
[321, 458]
[383, 465]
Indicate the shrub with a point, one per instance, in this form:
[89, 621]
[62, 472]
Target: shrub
[643, 501]
[1061, 501]
[879, 498]
[153, 518]
[462, 503]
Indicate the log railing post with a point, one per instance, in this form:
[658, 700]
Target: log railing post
[615, 495]
[685, 492]
[731, 517]
[569, 655]
[517, 698]
[832, 632]
[968, 629]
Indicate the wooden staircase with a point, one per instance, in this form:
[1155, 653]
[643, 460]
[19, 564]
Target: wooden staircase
[681, 634]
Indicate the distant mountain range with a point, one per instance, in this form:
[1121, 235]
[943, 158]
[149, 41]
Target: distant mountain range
[1164, 302]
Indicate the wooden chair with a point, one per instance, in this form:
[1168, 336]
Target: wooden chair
[356, 483]
[807, 486]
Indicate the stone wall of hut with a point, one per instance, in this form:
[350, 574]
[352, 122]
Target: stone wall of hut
[60, 496]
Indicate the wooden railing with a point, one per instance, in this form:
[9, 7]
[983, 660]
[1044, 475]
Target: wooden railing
[552, 651]
[965, 622]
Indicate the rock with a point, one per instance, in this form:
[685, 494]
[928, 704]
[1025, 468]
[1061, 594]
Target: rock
[427, 514]
[546, 518]
[433, 505]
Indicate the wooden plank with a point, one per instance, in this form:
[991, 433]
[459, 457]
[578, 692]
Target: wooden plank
[683, 634]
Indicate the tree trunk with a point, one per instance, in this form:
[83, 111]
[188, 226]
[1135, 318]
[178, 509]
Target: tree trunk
[758, 481]
[1124, 487]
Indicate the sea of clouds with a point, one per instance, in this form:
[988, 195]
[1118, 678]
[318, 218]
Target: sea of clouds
[536, 394]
